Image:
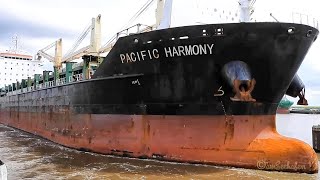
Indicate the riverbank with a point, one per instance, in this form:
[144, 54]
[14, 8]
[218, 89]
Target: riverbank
[305, 109]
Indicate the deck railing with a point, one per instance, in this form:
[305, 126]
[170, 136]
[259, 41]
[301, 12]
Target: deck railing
[305, 19]
[59, 82]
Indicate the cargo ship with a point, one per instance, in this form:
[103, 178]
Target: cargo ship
[198, 94]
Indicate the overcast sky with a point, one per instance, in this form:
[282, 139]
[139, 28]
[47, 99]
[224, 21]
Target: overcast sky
[38, 23]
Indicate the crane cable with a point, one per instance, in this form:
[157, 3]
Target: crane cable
[145, 7]
[138, 13]
[79, 40]
[252, 3]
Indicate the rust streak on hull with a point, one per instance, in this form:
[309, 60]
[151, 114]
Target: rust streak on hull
[249, 141]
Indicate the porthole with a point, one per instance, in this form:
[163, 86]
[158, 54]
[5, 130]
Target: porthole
[309, 33]
[291, 30]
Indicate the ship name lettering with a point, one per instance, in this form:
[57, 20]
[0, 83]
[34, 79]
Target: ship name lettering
[174, 51]
[189, 50]
[139, 56]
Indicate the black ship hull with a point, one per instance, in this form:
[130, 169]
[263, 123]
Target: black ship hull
[229, 76]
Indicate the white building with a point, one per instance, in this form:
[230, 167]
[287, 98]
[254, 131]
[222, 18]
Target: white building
[15, 67]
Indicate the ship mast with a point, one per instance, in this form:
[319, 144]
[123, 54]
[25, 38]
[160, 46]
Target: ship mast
[163, 14]
[159, 12]
[15, 44]
[164, 9]
[246, 9]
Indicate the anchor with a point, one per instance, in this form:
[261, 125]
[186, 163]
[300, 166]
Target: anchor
[238, 76]
[302, 99]
[243, 90]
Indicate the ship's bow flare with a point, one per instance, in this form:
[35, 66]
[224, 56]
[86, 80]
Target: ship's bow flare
[254, 143]
[284, 154]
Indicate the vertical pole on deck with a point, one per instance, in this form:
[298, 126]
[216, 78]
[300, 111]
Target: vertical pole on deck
[55, 74]
[36, 80]
[13, 86]
[29, 82]
[57, 61]
[85, 67]
[18, 85]
[45, 77]
[68, 71]
[23, 83]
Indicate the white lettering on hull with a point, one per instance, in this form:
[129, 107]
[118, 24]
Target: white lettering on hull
[169, 52]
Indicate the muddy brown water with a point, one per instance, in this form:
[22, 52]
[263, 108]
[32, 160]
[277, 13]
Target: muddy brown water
[30, 157]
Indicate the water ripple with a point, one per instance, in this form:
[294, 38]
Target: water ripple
[31, 157]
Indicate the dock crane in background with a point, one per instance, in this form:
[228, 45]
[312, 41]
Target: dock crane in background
[57, 59]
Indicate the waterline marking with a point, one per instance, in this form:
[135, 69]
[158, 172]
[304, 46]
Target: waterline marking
[265, 165]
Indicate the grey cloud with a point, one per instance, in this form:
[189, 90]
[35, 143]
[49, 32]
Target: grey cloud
[10, 25]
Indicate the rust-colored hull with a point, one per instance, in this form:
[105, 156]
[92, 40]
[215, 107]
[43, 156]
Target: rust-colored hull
[249, 141]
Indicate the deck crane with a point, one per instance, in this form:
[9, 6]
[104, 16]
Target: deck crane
[161, 15]
[57, 57]
[89, 53]
[95, 42]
